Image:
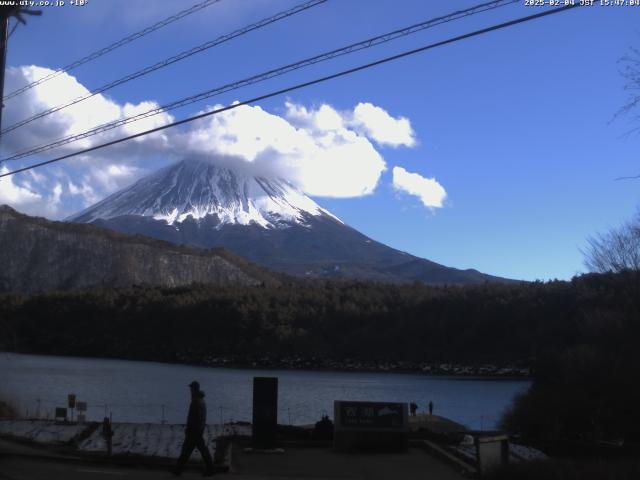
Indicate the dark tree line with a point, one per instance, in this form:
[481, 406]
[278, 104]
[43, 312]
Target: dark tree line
[487, 323]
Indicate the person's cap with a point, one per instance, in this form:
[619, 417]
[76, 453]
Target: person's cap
[195, 385]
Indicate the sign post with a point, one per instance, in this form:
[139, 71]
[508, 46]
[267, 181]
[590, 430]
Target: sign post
[82, 409]
[72, 403]
[265, 412]
[107, 432]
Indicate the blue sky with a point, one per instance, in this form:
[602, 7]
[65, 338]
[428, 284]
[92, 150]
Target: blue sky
[515, 125]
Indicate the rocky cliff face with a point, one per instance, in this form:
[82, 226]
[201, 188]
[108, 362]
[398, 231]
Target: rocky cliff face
[40, 255]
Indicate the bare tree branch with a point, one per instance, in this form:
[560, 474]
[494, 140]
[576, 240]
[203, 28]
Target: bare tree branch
[616, 250]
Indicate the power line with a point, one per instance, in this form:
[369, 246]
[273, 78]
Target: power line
[98, 53]
[302, 85]
[368, 43]
[168, 61]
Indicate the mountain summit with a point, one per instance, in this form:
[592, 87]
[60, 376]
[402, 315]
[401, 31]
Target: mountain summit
[268, 221]
[196, 189]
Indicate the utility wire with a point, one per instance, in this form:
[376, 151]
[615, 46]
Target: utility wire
[98, 53]
[302, 85]
[368, 43]
[168, 61]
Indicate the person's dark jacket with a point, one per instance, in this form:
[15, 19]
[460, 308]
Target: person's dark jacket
[197, 417]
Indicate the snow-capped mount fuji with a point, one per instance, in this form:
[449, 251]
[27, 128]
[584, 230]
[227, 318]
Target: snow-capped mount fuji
[198, 189]
[267, 221]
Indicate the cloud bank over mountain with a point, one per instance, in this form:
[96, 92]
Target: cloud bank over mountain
[322, 150]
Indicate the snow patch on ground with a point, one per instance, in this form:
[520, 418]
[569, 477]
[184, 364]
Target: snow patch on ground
[145, 439]
[522, 452]
[155, 440]
[517, 453]
[41, 431]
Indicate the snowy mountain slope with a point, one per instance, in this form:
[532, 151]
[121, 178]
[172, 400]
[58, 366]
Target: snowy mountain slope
[267, 221]
[192, 189]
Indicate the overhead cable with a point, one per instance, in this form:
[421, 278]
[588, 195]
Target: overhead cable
[109, 48]
[168, 61]
[301, 85]
[354, 47]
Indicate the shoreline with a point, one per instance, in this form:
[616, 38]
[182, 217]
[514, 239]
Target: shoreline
[450, 370]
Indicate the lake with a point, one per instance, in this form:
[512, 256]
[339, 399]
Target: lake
[155, 392]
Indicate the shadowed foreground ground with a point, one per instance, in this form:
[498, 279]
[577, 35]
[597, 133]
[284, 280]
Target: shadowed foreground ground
[322, 463]
[20, 462]
[317, 464]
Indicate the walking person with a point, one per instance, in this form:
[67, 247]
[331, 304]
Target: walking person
[430, 407]
[196, 422]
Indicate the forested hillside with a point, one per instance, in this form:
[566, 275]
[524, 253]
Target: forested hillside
[472, 324]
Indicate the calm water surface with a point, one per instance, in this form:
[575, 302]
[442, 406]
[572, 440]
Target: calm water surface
[149, 392]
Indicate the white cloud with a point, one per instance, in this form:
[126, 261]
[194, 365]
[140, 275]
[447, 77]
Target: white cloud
[37, 177]
[101, 172]
[72, 120]
[377, 124]
[25, 199]
[311, 148]
[54, 200]
[84, 190]
[324, 151]
[428, 190]
[365, 119]
[14, 194]
[112, 176]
